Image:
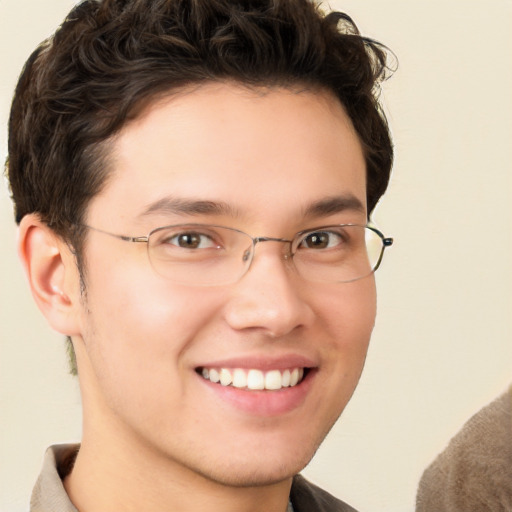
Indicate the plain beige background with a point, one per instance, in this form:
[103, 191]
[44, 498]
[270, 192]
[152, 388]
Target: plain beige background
[442, 345]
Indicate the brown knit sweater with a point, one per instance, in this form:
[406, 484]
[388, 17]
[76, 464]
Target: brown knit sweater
[474, 473]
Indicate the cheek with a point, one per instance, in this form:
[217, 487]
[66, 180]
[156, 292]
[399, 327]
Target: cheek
[138, 341]
[350, 315]
[347, 313]
[142, 325]
[128, 296]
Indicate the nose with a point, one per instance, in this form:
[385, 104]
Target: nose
[269, 297]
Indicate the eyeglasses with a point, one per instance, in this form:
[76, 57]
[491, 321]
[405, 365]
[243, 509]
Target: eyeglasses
[209, 255]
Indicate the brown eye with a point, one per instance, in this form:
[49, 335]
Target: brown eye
[320, 240]
[191, 241]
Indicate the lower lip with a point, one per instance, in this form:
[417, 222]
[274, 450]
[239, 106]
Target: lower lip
[264, 403]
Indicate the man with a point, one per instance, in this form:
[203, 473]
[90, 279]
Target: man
[193, 182]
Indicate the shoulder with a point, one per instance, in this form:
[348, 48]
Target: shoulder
[473, 472]
[307, 497]
[49, 493]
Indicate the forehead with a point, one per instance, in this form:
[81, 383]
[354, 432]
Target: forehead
[253, 150]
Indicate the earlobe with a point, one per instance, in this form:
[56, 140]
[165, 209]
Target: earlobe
[52, 274]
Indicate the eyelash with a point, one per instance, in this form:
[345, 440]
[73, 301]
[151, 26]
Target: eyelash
[176, 237]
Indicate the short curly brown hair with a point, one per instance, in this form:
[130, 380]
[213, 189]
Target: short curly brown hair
[110, 57]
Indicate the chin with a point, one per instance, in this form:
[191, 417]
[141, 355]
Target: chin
[256, 472]
[253, 477]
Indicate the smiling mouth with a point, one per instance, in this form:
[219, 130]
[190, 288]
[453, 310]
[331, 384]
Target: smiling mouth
[254, 379]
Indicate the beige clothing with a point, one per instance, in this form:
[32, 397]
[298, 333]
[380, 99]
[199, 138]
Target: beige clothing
[474, 473]
[49, 494]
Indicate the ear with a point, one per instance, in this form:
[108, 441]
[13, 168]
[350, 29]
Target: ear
[52, 274]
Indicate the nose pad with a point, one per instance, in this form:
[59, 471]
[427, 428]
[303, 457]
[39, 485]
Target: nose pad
[246, 255]
[249, 253]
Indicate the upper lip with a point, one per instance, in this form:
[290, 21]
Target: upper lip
[264, 363]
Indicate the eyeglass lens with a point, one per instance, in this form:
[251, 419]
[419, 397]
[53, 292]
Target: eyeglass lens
[205, 255]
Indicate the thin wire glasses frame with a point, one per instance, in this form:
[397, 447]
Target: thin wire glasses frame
[212, 255]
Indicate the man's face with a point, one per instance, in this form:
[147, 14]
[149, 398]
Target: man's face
[267, 157]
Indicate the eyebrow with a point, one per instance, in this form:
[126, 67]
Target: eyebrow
[335, 204]
[180, 206]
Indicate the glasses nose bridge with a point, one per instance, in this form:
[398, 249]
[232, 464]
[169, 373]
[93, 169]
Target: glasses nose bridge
[256, 240]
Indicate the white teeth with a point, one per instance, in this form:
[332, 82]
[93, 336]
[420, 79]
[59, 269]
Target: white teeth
[214, 375]
[225, 377]
[273, 380]
[285, 382]
[294, 377]
[239, 378]
[254, 379]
